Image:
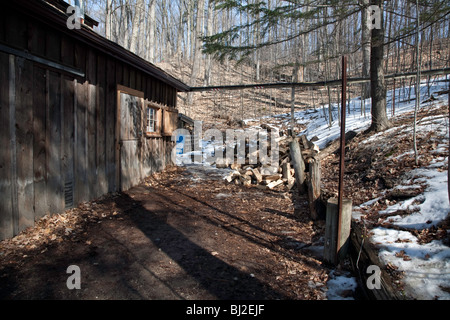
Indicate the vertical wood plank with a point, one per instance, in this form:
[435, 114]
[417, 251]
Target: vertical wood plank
[126, 75]
[24, 136]
[53, 45]
[68, 141]
[16, 34]
[111, 124]
[139, 77]
[67, 51]
[38, 40]
[2, 26]
[80, 156]
[6, 205]
[91, 73]
[55, 187]
[132, 82]
[39, 145]
[101, 126]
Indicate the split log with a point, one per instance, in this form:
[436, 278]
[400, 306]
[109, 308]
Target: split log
[336, 144]
[298, 164]
[314, 188]
[233, 175]
[245, 180]
[257, 175]
[274, 184]
[273, 177]
[286, 170]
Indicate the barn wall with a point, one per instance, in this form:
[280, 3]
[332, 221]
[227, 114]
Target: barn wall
[58, 130]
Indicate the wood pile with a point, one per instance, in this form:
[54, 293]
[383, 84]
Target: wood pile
[267, 177]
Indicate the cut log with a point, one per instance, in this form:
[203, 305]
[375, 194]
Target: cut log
[274, 184]
[273, 177]
[257, 175]
[245, 180]
[314, 188]
[232, 176]
[267, 170]
[286, 170]
[298, 164]
[335, 145]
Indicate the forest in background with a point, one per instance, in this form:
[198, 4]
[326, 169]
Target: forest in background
[228, 42]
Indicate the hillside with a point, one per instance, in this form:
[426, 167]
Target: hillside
[228, 108]
[402, 207]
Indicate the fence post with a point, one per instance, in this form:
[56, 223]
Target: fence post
[339, 211]
[337, 230]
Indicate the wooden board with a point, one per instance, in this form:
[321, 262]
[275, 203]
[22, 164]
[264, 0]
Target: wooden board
[80, 152]
[111, 110]
[102, 186]
[68, 141]
[170, 122]
[39, 141]
[55, 187]
[24, 141]
[6, 204]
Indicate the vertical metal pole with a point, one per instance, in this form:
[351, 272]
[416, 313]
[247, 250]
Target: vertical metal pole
[393, 101]
[342, 159]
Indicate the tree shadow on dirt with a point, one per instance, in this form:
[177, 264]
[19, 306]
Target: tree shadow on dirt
[286, 246]
[220, 279]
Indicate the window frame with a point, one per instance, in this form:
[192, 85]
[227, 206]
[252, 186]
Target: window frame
[156, 120]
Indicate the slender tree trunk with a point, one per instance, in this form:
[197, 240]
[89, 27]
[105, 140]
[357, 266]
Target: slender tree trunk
[151, 36]
[209, 26]
[197, 49]
[108, 16]
[380, 120]
[416, 109]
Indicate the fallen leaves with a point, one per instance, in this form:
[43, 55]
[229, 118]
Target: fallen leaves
[56, 228]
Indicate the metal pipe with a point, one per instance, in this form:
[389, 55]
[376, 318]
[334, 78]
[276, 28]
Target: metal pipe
[342, 153]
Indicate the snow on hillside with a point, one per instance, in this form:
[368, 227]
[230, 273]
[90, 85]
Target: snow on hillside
[426, 266]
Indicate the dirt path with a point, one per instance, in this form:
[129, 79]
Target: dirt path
[183, 234]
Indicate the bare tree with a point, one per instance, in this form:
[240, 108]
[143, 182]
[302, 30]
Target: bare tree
[380, 120]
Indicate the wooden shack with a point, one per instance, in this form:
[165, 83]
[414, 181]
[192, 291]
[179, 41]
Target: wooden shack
[80, 115]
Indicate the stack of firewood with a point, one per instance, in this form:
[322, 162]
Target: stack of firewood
[270, 177]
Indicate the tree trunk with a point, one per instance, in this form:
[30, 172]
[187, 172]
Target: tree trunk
[151, 36]
[135, 25]
[108, 18]
[380, 120]
[209, 26]
[365, 47]
[197, 49]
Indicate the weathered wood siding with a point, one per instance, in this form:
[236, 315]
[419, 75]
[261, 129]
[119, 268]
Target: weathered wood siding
[58, 131]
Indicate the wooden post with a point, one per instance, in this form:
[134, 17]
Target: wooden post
[298, 164]
[337, 231]
[314, 187]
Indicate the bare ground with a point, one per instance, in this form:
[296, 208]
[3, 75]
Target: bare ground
[182, 234]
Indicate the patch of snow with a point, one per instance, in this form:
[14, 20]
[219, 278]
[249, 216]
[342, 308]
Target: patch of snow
[340, 286]
[427, 266]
